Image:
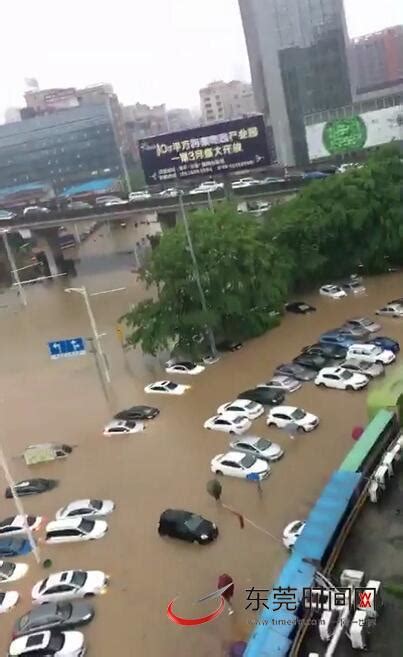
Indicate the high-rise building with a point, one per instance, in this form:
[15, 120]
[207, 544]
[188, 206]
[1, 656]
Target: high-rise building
[63, 148]
[377, 60]
[221, 101]
[298, 54]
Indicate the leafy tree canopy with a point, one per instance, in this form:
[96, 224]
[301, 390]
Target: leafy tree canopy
[248, 269]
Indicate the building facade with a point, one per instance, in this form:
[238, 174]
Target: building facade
[62, 148]
[298, 54]
[377, 61]
[223, 101]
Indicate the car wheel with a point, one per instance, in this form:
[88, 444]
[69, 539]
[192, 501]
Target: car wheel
[218, 472]
[231, 433]
[89, 595]
[349, 387]
[301, 429]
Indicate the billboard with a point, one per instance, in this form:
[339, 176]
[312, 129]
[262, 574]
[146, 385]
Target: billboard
[58, 99]
[208, 150]
[353, 133]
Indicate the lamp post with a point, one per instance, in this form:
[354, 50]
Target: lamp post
[18, 505]
[210, 335]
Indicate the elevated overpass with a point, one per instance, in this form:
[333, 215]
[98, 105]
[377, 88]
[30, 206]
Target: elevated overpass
[275, 192]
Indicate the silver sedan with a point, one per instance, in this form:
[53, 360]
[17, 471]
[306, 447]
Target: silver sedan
[262, 448]
[363, 367]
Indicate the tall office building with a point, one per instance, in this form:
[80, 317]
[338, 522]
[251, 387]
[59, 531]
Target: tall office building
[377, 60]
[298, 54]
[221, 101]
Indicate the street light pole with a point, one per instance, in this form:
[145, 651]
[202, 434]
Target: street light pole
[14, 270]
[125, 170]
[18, 504]
[196, 271]
[97, 341]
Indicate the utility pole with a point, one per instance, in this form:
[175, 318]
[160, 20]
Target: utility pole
[14, 271]
[196, 272]
[18, 504]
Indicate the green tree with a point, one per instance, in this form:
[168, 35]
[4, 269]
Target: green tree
[241, 280]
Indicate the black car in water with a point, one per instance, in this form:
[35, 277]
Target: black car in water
[265, 396]
[31, 487]
[138, 413]
[333, 351]
[187, 526]
[299, 307]
[296, 371]
[313, 361]
[54, 616]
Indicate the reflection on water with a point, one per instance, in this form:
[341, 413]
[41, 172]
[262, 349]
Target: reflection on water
[167, 465]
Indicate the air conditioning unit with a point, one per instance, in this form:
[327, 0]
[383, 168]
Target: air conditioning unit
[388, 461]
[374, 491]
[373, 588]
[382, 476]
[396, 450]
[359, 632]
[352, 578]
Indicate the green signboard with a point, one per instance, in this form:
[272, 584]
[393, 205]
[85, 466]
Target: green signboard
[343, 135]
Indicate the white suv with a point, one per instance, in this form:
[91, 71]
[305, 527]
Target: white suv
[370, 353]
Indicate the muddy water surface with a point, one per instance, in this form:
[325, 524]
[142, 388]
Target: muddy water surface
[167, 465]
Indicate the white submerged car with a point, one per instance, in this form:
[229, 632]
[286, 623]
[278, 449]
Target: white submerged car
[11, 572]
[341, 379]
[391, 310]
[15, 525]
[85, 509]
[371, 370]
[228, 423]
[259, 447]
[283, 383]
[184, 367]
[332, 291]
[370, 353]
[119, 427]
[292, 532]
[251, 409]
[70, 584]
[8, 600]
[284, 416]
[237, 464]
[48, 644]
[71, 530]
[166, 388]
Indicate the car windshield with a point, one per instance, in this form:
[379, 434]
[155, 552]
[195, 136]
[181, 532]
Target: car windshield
[57, 641]
[262, 443]
[96, 504]
[64, 610]
[346, 375]
[298, 414]
[79, 578]
[297, 526]
[87, 526]
[24, 621]
[248, 460]
[239, 419]
[171, 385]
[7, 568]
[251, 405]
[194, 522]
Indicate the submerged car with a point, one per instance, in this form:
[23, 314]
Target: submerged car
[312, 361]
[69, 584]
[166, 388]
[386, 343]
[391, 310]
[283, 383]
[299, 307]
[18, 524]
[341, 379]
[332, 351]
[11, 572]
[86, 509]
[259, 447]
[237, 464]
[184, 367]
[299, 372]
[187, 526]
[232, 423]
[265, 396]
[54, 616]
[332, 291]
[138, 413]
[363, 367]
[291, 416]
[48, 644]
[123, 427]
[14, 547]
[241, 406]
[364, 323]
[31, 487]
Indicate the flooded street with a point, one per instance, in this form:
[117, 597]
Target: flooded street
[166, 466]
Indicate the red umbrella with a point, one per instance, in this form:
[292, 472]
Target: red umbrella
[357, 433]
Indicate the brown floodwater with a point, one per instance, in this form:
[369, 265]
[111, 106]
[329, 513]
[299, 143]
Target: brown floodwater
[166, 466]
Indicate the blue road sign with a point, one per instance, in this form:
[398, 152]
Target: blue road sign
[66, 348]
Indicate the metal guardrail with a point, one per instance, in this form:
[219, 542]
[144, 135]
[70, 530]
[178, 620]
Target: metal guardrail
[154, 204]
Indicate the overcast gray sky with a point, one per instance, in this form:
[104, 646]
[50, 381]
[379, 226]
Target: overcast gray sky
[152, 51]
